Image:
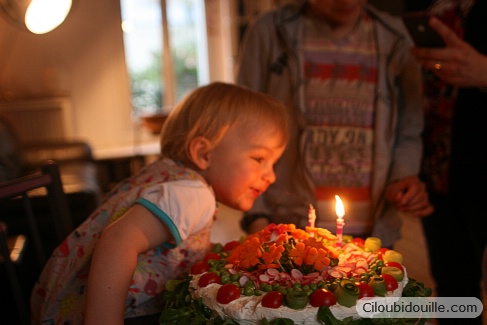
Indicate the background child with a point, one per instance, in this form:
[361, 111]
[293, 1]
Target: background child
[219, 144]
[345, 71]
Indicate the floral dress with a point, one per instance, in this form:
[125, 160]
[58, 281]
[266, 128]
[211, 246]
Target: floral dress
[178, 196]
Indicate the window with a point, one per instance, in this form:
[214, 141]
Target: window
[142, 24]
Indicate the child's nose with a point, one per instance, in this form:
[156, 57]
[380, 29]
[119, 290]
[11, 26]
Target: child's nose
[269, 175]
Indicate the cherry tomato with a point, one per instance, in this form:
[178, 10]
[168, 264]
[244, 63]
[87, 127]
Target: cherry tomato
[360, 242]
[230, 245]
[199, 267]
[322, 297]
[211, 256]
[365, 290]
[391, 282]
[381, 252]
[208, 278]
[227, 293]
[272, 299]
[395, 264]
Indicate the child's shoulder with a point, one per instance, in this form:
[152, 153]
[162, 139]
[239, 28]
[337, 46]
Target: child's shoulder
[167, 170]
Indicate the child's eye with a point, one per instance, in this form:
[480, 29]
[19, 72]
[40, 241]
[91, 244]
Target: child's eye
[258, 159]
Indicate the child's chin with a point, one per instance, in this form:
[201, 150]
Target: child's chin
[241, 206]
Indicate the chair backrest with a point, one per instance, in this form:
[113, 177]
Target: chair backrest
[19, 192]
[48, 178]
[10, 151]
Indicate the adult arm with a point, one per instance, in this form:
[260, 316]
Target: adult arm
[458, 63]
[254, 55]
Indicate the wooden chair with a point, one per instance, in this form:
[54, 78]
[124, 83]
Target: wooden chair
[20, 191]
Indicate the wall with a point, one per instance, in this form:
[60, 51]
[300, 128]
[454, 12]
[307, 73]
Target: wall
[82, 59]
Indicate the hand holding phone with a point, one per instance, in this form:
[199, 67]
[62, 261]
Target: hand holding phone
[421, 32]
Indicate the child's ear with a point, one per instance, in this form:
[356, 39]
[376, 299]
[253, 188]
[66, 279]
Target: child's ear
[199, 148]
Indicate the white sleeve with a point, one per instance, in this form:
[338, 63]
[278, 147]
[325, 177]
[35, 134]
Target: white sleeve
[185, 206]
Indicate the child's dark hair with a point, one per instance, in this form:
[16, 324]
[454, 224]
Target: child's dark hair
[210, 111]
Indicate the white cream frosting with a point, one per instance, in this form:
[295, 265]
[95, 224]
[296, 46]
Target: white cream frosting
[248, 310]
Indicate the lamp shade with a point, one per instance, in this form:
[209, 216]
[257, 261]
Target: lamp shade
[42, 16]
[37, 16]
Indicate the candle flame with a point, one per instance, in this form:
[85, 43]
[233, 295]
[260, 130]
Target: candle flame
[340, 210]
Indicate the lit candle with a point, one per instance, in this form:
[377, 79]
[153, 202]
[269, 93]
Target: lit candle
[340, 212]
[311, 216]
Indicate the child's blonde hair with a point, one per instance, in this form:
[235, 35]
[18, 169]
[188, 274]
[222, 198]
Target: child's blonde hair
[210, 111]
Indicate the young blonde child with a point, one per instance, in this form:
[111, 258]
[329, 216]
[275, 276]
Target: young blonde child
[219, 144]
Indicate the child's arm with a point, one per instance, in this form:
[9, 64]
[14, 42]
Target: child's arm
[114, 261]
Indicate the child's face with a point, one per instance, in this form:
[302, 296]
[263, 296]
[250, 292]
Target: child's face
[241, 166]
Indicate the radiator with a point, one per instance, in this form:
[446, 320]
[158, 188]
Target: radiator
[40, 119]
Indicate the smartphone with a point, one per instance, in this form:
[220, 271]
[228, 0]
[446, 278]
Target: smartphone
[421, 32]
